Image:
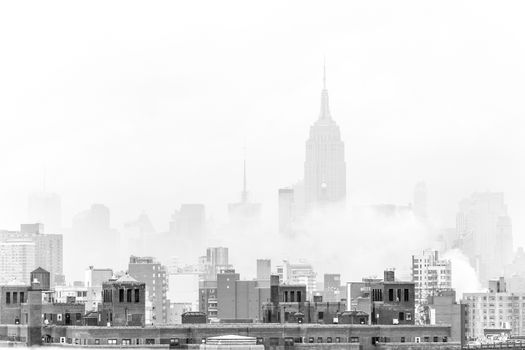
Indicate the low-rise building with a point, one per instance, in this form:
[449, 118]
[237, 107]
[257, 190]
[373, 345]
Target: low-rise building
[123, 302]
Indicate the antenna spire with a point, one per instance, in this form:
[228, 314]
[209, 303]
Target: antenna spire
[324, 73]
[244, 190]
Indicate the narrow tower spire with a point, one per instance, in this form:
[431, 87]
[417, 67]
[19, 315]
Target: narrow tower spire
[325, 109]
[244, 198]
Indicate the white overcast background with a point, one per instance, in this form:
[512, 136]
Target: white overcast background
[143, 106]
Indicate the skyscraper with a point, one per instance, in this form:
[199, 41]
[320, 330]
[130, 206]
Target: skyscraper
[420, 201]
[324, 166]
[485, 231]
[45, 208]
[286, 210]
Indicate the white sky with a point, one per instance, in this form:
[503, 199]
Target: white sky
[147, 105]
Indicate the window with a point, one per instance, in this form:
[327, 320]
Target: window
[390, 295]
[15, 297]
[121, 295]
[402, 339]
[398, 295]
[8, 297]
[137, 295]
[112, 341]
[128, 295]
[126, 341]
[319, 339]
[436, 339]
[292, 296]
[310, 339]
[337, 339]
[329, 339]
[22, 295]
[401, 316]
[320, 315]
[152, 341]
[409, 316]
[445, 339]
[298, 296]
[426, 339]
[97, 341]
[354, 339]
[407, 294]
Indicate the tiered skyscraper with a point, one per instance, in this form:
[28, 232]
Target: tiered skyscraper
[324, 166]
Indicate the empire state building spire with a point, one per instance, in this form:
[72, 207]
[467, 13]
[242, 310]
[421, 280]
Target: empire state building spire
[325, 108]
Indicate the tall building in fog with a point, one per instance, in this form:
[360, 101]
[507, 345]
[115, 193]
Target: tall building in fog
[485, 231]
[324, 166]
[332, 287]
[420, 201]
[189, 221]
[45, 208]
[286, 210]
[92, 240]
[244, 213]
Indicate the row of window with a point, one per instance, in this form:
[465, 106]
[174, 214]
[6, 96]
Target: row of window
[273, 341]
[124, 295]
[397, 294]
[16, 299]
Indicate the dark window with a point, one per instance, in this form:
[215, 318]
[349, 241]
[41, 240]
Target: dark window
[407, 295]
[285, 296]
[376, 339]
[436, 339]
[311, 339]
[445, 339]
[121, 295]
[128, 295]
[111, 317]
[298, 340]
[401, 316]
[22, 299]
[15, 297]
[152, 341]
[97, 341]
[298, 296]
[329, 339]
[288, 341]
[292, 296]
[426, 339]
[337, 339]
[399, 295]
[8, 297]
[78, 316]
[402, 339]
[390, 295]
[320, 315]
[319, 339]
[137, 295]
[260, 340]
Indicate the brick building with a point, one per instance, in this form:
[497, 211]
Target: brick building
[123, 302]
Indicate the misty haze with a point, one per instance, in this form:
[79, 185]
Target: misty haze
[208, 174]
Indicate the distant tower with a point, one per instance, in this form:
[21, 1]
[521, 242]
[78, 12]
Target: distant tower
[244, 213]
[420, 200]
[324, 166]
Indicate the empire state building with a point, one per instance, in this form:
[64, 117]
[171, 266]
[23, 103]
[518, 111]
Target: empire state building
[324, 166]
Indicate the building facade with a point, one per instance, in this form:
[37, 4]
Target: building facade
[151, 272]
